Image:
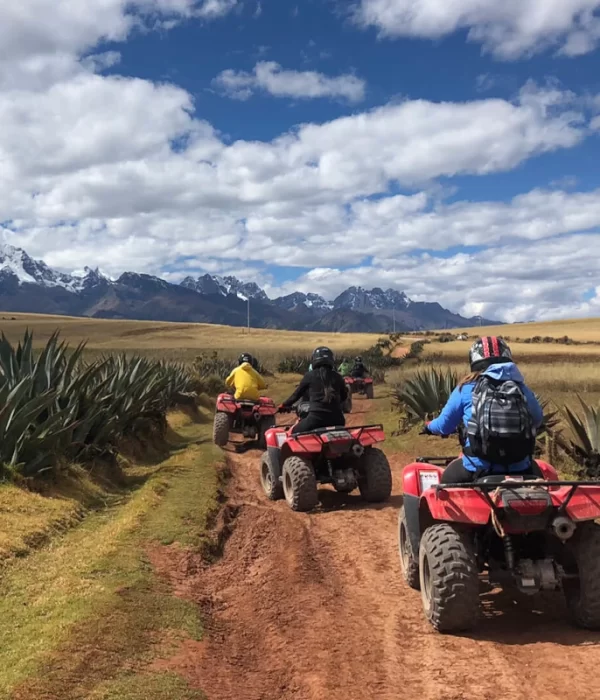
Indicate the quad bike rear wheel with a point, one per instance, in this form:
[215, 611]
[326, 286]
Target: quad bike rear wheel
[299, 484]
[449, 578]
[374, 476]
[269, 479]
[221, 428]
[408, 561]
[369, 391]
[583, 594]
[266, 423]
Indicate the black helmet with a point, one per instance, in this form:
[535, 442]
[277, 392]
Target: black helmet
[488, 351]
[246, 357]
[358, 359]
[322, 357]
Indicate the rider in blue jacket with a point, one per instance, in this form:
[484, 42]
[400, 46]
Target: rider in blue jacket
[491, 357]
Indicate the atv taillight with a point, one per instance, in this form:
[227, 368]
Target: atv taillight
[526, 509]
[529, 506]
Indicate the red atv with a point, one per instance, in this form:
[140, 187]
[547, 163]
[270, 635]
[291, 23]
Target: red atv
[360, 385]
[251, 419]
[293, 465]
[520, 532]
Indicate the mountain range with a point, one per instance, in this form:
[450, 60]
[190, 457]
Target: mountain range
[28, 285]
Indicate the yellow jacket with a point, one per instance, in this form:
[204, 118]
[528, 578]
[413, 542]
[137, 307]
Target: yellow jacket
[247, 382]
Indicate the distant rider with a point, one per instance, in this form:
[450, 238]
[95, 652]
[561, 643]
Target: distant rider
[514, 414]
[326, 391]
[345, 367]
[359, 371]
[246, 381]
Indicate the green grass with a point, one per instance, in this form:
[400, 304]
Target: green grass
[86, 609]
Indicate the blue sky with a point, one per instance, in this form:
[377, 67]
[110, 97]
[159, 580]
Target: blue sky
[449, 151]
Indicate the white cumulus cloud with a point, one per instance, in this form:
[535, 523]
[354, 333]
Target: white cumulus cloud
[509, 29]
[271, 78]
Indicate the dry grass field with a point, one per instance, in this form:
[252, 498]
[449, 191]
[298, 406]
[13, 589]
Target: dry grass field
[174, 340]
[582, 329]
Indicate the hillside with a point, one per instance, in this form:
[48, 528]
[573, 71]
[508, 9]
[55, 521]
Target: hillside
[104, 334]
[31, 286]
[580, 329]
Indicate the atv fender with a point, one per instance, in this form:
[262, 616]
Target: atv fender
[467, 506]
[275, 459]
[413, 521]
[226, 403]
[273, 449]
[455, 505]
[549, 472]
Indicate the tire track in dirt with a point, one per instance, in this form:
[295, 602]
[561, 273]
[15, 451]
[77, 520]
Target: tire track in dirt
[309, 607]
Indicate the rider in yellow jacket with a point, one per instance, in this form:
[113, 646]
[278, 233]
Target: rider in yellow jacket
[246, 381]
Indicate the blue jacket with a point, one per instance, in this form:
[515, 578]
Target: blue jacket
[459, 407]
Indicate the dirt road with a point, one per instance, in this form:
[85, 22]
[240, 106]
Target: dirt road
[313, 607]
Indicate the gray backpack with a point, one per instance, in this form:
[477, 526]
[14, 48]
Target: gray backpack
[500, 429]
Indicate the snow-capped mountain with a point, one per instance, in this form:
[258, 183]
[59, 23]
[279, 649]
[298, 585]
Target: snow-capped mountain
[212, 284]
[359, 299]
[15, 263]
[309, 301]
[29, 285]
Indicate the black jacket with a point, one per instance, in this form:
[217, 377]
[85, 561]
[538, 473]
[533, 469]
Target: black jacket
[359, 370]
[312, 384]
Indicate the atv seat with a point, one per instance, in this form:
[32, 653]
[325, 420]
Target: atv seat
[499, 478]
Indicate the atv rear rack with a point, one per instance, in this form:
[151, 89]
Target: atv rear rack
[512, 484]
[485, 488]
[245, 402]
[323, 431]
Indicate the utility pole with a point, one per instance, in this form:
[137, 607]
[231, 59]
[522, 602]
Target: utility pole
[248, 315]
[394, 315]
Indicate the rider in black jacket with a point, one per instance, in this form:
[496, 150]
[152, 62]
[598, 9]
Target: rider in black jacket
[327, 392]
[359, 371]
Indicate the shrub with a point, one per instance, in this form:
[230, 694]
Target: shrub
[378, 376]
[416, 350]
[424, 395]
[294, 364]
[213, 366]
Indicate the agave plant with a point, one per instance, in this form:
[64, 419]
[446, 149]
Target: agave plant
[53, 369]
[584, 444]
[55, 405]
[294, 364]
[549, 434]
[425, 394]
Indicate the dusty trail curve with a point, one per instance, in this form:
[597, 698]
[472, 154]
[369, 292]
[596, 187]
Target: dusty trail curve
[312, 607]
